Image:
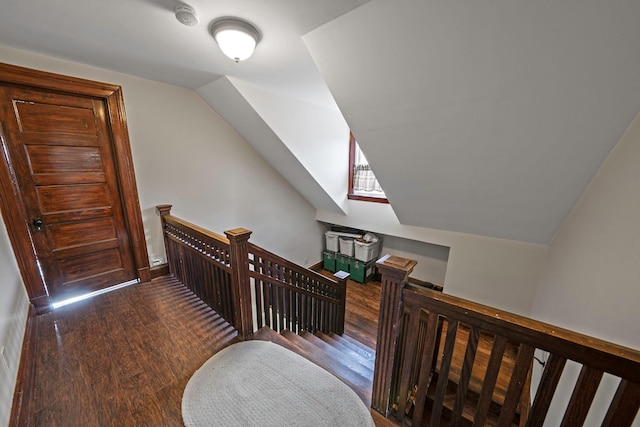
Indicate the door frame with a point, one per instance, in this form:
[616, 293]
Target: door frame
[15, 219]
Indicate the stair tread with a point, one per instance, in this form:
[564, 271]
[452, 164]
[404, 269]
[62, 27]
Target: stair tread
[355, 345]
[332, 357]
[369, 363]
[358, 383]
[364, 366]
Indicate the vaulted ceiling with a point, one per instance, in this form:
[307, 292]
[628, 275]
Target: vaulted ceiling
[480, 117]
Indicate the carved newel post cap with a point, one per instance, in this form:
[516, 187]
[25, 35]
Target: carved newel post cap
[164, 209]
[392, 263]
[238, 234]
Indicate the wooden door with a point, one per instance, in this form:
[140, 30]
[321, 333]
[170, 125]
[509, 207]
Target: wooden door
[60, 149]
[72, 204]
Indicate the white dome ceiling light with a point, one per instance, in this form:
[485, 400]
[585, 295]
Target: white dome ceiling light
[186, 15]
[237, 38]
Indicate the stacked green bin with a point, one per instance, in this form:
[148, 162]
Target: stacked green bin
[361, 271]
[329, 261]
[342, 262]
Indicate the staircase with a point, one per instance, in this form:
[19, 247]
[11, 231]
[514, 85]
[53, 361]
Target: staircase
[348, 359]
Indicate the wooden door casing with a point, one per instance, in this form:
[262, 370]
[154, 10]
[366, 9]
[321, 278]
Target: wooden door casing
[106, 102]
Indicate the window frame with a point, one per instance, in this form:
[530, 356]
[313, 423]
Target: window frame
[352, 159]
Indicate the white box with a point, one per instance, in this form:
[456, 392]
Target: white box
[331, 238]
[366, 251]
[332, 241]
[346, 245]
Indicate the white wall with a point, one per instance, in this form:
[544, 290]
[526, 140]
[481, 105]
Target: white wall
[590, 281]
[432, 259]
[13, 314]
[185, 154]
[224, 97]
[317, 135]
[593, 266]
[497, 272]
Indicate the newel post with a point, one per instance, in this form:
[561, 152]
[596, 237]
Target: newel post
[395, 271]
[240, 285]
[163, 211]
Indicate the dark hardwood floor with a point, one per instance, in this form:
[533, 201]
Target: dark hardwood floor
[123, 358]
[361, 317]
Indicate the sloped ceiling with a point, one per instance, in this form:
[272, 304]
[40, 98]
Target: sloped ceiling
[484, 117]
[480, 117]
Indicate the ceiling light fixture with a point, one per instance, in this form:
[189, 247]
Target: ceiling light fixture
[237, 38]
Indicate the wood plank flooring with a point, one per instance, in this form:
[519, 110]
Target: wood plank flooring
[123, 358]
[361, 316]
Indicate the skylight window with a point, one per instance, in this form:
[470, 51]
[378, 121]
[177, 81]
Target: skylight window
[363, 184]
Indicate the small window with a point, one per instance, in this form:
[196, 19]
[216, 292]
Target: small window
[363, 184]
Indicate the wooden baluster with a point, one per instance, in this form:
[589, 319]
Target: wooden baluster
[443, 375]
[582, 397]
[241, 287]
[548, 384]
[341, 278]
[465, 376]
[490, 378]
[624, 406]
[516, 384]
[395, 271]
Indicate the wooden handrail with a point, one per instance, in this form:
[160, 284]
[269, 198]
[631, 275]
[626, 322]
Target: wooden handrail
[609, 357]
[201, 260]
[292, 297]
[249, 286]
[475, 361]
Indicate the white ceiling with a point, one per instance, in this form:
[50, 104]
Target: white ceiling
[483, 117]
[143, 38]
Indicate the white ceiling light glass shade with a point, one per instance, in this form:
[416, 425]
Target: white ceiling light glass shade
[237, 38]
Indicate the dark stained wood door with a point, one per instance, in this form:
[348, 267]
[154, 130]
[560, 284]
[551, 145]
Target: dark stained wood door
[59, 147]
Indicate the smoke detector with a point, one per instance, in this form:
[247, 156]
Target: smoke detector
[186, 15]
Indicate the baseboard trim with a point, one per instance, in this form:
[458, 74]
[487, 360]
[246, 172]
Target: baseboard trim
[25, 383]
[316, 267]
[159, 270]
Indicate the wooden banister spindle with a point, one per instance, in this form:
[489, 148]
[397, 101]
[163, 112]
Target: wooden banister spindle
[341, 277]
[465, 376]
[241, 287]
[395, 271]
[443, 376]
[490, 378]
[548, 383]
[625, 405]
[582, 397]
[516, 385]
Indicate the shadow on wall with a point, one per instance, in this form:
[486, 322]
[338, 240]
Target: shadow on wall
[432, 259]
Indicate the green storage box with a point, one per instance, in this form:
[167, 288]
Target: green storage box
[361, 271]
[329, 261]
[342, 262]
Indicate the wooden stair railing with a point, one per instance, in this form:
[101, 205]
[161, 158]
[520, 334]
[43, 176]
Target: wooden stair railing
[249, 286]
[441, 356]
[291, 297]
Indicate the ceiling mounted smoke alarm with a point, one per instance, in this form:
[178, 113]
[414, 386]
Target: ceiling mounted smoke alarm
[186, 15]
